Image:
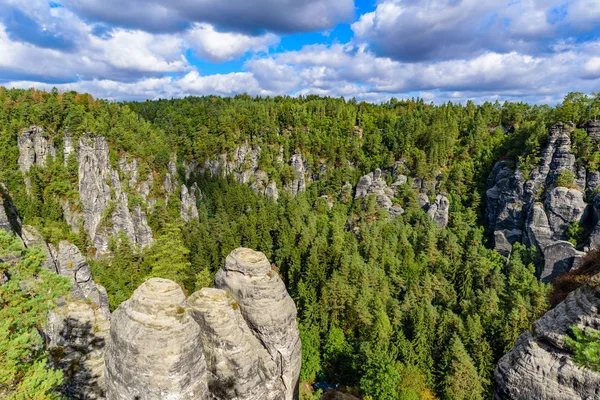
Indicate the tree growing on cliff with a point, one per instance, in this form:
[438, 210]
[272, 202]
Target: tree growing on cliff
[25, 300]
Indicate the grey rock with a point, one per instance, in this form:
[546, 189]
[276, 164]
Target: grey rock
[363, 188]
[76, 334]
[189, 210]
[593, 129]
[72, 215]
[72, 264]
[69, 147]
[504, 240]
[268, 310]
[34, 148]
[564, 206]
[101, 192]
[9, 217]
[439, 211]
[143, 233]
[423, 201]
[31, 237]
[239, 366]
[298, 185]
[154, 350]
[271, 191]
[592, 181]
[540, 366]
[559, 257]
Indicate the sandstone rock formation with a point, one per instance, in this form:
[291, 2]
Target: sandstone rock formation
[154, 350]
[438, 211]
[34, 148]
[373, 183]
[239, 366]
[9, 218]
[537, 211]
[267, 309]
[104, 201]
[189, 210]
[76, 331]
[540, 365]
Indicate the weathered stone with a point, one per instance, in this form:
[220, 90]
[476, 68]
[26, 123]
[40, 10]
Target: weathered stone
[559, 257]
[105, 204]
[9, 218]
[239, 366]
[298, 185]
[267, 308]
[564, 206]
[540, 366]
[439, 211]
[593, 129]
[76, 335]
[34, 148]
[189, 210]
[154, 350]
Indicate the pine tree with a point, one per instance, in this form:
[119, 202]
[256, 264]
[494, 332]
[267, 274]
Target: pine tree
[25, 301]
[461, 381]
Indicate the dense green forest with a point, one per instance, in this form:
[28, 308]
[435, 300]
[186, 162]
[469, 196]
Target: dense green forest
[392, 308]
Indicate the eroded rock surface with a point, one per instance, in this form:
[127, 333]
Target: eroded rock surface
[238, 364]
[267, 309]
[35, 148]
[105, 203]
[537, 211]
[540, 365]
[155, 350]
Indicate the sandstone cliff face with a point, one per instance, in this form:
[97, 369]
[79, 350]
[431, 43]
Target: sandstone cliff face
[238, 342]
[104, 200]
[242, 164]
[537, 211]
[9, 219]
[154, 350]
[76, 331]
[103, 209]
[34, 148]
[540, 366]
[374, 184]
[238, 364]
[267, 309]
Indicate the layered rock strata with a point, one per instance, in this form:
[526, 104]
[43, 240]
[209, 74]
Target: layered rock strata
[155, 350]
[540, 366]
[538, 211]
[267, 309]
[238, 364]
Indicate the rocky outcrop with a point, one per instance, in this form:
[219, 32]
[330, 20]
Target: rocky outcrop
[154, 350]
[76, 331]
[540, 365]
[105, 203]
[267, 309]
[438, 211]
[189, 210]
[593, 129]
[298, 184]
[9, 218]
[373, 183]
[35, 148]
[537, 211]
[239, 366]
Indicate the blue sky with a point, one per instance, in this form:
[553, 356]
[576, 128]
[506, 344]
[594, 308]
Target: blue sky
[440, 50]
